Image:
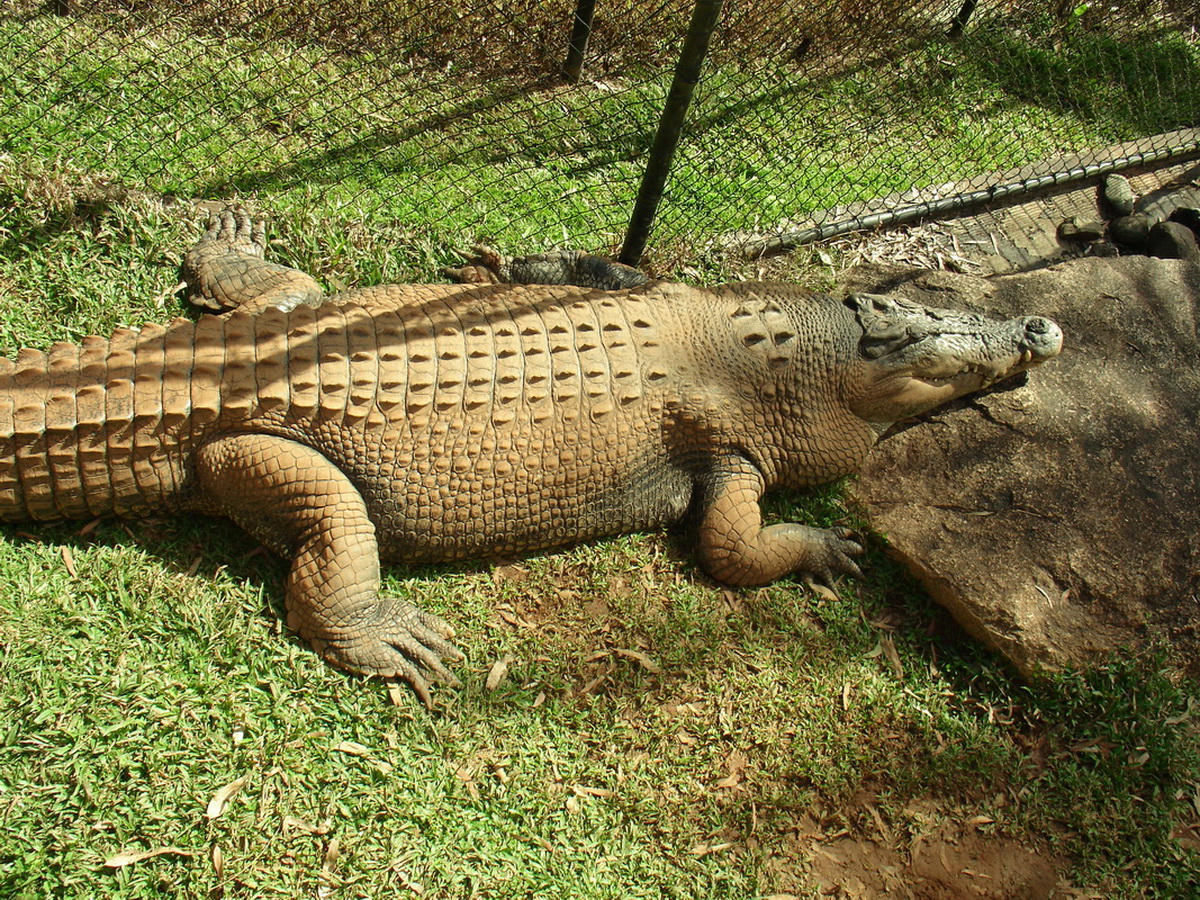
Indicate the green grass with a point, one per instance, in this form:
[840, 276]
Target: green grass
[144, 667]
[135, 689]
[379, 142]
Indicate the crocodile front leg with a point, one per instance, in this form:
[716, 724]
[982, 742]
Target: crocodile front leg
[226, 269]
[735, 547]
[294, 500]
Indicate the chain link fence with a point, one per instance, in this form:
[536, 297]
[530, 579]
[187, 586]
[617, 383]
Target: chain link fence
[530, 124]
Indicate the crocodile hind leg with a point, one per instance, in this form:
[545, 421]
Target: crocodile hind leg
[735, 547]
[226, 269]
[294, 500]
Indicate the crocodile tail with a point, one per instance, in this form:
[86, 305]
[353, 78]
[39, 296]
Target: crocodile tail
[88, 429]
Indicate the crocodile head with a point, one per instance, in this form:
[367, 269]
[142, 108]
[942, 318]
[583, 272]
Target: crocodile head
[912, 358]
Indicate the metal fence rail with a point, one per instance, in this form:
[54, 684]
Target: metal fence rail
[533, 124]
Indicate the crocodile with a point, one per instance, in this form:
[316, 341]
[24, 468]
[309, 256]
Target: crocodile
[426, 423]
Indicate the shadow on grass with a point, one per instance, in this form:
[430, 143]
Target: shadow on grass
[333, 165]
[1136, 84]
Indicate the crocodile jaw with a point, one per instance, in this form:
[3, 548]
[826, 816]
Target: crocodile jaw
[913, 358]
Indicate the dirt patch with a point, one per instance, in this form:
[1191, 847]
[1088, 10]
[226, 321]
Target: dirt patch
[946, 865]
[949, 861]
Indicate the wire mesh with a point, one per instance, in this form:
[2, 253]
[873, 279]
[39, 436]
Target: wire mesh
[455, 123]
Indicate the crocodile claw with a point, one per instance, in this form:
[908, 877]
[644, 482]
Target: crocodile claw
[403, 642]
[834, 555]
[483, 266]
[237, 230]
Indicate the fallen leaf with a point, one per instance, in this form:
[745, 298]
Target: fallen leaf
[889, 652]
[395, 695]
[497, 672]
[218, 860]
[821, 591]
[512, 574]
[128, 857]
[736, 761]
[303, 825]
[641, 659]
[731, 782]
[332, 851]
[582, 791]
[976, 821]
[828, 854]
[879, 823]
[591, 685]
[705, 849]
[327, 878]
[352, 748]
[161, 300]
[216, 805]
[69, 561]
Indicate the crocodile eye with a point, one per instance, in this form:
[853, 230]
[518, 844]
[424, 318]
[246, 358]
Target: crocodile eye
[885, 336]
[864, 303]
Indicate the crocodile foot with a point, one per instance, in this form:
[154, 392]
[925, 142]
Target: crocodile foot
[234, 231]
[483, 266]
[214, 267]
[401, 641]
[227, 270]
[830, 553]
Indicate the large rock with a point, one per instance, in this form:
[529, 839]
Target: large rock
[1059, 519]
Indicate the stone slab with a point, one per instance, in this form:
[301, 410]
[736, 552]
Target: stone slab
[1059, 519]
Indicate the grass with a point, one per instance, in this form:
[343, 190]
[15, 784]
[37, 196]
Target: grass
[523, 162]
[157, 673]
[655, 735]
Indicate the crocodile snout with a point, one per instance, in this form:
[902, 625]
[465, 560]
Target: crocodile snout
[1042, 339]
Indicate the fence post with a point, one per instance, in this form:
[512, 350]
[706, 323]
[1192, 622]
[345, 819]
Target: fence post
[964, 16]
[581, 33]
[670, 126]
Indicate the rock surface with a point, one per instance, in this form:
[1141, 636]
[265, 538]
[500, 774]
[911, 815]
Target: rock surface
[1170, 240]
[1059, 519]
[1116, 195]
[1130, 232]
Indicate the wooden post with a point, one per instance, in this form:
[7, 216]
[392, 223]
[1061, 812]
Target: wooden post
[670, 126]
[960, 21]
[581, 32]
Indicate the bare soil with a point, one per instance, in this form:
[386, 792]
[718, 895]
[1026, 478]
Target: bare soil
[951, 860]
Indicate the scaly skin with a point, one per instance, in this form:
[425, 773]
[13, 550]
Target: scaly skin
[419, 423]
[486, 266]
